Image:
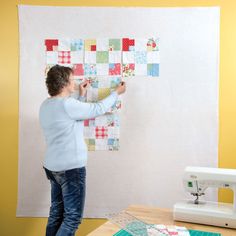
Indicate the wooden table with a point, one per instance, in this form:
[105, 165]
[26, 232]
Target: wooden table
[154, 215]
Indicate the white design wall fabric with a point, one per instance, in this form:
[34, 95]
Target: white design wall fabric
[167, 122]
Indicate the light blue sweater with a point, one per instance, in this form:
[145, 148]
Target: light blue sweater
[62, 122]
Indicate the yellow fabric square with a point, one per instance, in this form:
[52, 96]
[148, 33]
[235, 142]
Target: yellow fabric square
[91, 147]
[88, 43]
[103, 92]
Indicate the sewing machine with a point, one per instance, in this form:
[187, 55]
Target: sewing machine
[196, 180]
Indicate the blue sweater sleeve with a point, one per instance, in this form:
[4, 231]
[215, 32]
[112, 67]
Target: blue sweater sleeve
[78, 110]
[82, 99]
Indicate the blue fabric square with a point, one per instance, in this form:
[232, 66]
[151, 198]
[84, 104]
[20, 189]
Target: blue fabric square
[140, 57]
[90, 69]
[153, 69]
[110, 141]
[77, 45]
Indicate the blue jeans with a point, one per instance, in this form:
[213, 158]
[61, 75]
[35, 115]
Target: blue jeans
[67, 201]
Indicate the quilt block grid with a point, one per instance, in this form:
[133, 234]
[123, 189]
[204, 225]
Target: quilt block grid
[104, 61]
[103, 57]
[127, 57]
[140, 57]
[102, 133]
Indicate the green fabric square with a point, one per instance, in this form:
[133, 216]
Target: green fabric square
[102, 57]
[91, 141]
[149, 67]
[114, 44]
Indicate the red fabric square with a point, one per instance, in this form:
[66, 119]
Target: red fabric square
[125, 44]
[64, 57]
[132, 66]
[131, 42]
[51, 44]
[114, 69]
[93, 47]
[101, 132]
[78, 69]
[86, 122]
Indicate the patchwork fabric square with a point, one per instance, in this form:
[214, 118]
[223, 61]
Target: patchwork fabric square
[78, 69]
[112, 120]
[153, 70]
[140, 57]
[52, 57]
[51, 44]
[86, 122]
[101, 132]
[89, 132]
[140, 45]
[113, 144]
[103, 93]
[140, 69]
[101, 144]
[64, 45]
[64, 57]
[128, 70]
[114, 45]
[153, 57]
[128, 44]
[77, 45]
[128, 57]
[90, 44]
[90, 57]
[90, 144]
[101, 121]
[115, 57]
[90, 69]
[77, 57]
[102, 44]
[102, 57]
[115, 69]
[153, 44]
[113, 132]
[102, 69]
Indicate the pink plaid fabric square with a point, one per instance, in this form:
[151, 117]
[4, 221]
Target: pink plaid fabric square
[64, 57]
[101, 132]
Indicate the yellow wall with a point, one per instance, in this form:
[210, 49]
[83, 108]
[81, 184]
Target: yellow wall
[9, 224]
